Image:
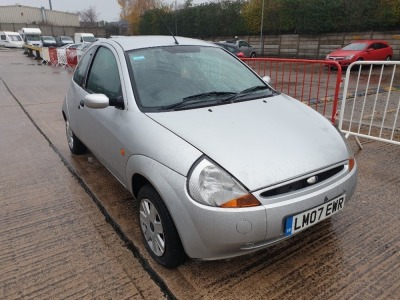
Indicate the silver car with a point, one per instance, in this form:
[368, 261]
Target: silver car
[221, 164]
[243, 46]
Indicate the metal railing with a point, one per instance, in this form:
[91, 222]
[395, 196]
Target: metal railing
[314, 82]
[371, 101]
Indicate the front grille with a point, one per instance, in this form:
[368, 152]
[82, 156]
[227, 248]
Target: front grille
[300, 184]
[335, 58]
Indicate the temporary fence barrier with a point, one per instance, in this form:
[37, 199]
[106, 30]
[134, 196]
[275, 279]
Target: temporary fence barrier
[313, 82]
[53, 56]
[62, 57]
[371, 101]
[72, 57]
[45, 55]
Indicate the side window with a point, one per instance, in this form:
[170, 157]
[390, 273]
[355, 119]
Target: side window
[3, 37]
[80, 72]
[382, 46]
[103, 76]
[244, 44]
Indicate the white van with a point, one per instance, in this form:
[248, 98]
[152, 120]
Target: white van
[81, 37]
[31, 36]
[10, 39]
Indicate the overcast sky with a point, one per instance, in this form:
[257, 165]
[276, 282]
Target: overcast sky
[108, 9]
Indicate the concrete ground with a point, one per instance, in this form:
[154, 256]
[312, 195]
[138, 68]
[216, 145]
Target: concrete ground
[69, 230]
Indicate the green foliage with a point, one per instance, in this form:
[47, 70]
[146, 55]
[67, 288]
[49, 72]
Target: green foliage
[204, 20]
[229, 18]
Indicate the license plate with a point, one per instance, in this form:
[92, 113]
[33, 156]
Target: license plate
[310, 217]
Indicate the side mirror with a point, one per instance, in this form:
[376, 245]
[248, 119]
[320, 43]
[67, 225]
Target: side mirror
[267, 79]
[96, 101]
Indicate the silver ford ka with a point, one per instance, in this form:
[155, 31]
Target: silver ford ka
[221, 163]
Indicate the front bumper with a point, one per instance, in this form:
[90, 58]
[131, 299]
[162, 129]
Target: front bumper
[342, 62]
[216, 233]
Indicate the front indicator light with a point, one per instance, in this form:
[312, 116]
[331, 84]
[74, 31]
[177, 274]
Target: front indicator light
[351, 163]
[244, 201]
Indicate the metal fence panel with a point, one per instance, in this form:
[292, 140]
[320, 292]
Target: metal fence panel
[314, 82]
[371, 101]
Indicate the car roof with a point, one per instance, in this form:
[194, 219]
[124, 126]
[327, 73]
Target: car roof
[368, 41]
[226, 44]
[140, 42]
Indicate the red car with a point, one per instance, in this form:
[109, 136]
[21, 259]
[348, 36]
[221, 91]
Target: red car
[361, 50]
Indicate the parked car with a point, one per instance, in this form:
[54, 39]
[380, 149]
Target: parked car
[362, 50]
[231, 48]
[63, 40]
[48, 41]
[243, 46]
[221, 165]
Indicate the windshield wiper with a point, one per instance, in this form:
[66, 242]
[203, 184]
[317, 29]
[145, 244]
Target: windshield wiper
[208, 94]
[194, 99]
[245, 92]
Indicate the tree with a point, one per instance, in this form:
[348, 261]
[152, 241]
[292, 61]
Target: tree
[132, 10]
[89, 15]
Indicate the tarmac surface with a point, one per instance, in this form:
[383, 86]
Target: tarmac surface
[68, 229]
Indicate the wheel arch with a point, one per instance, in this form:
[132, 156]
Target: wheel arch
[137, 182]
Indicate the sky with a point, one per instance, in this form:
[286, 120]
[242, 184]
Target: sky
[108, 9]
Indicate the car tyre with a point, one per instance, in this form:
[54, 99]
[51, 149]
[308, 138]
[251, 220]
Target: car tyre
[388, 58]
[75, 145]
[159, 233]
[253, 55]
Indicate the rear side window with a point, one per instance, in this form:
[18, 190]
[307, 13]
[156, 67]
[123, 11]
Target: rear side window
[80, 72]
[103, 76]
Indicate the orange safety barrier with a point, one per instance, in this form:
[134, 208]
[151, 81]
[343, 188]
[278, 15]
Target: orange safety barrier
[313, 82]
[53, 56]
[72, 57]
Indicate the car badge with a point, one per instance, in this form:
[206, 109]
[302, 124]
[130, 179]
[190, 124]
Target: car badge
[312, 180]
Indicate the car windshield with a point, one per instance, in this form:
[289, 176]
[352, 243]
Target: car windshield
[183, 77]
[33, 37]
[355, 46]
[66, 39]
[90, 39]
[48, 38]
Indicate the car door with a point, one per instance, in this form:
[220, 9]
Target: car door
[100, 128]
[245, 48]
[381, 51]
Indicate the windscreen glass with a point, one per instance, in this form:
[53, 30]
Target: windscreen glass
[355, 46]
[167, 77]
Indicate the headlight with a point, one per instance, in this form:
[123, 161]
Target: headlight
[327, 57]
[349, 57]
[210, 185]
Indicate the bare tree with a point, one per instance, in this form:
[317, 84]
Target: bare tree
[89, 15]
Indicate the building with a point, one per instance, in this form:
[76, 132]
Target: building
[19, 14]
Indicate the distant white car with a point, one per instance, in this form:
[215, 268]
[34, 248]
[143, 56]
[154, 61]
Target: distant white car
[219, 162]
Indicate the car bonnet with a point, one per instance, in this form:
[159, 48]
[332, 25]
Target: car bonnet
[260, 142]
[344, 52]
